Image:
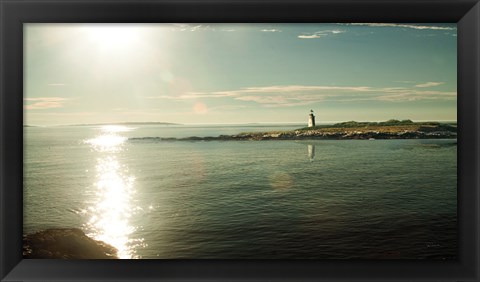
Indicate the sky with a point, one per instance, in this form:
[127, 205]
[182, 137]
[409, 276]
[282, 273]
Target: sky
[239, 73]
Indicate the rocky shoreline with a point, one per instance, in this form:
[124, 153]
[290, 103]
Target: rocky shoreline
[65, 243]
[411, 131]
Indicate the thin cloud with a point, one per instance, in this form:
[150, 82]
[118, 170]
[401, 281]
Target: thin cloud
[198, 27]
[429, 84]
[43, 103]
[412, 26]
[320, 34]
[272, 101]
[311, 36]
[293, 88]
[189, 27]
[271, 30]
[409, 96]
[192, 95]
[297, 95]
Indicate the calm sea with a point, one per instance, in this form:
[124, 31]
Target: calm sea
[242, 199]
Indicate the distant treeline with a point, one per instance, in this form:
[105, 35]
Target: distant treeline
[389, 122]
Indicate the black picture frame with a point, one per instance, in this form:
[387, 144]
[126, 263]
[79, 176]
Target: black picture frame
[14, 13]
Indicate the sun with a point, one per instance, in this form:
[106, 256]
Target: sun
[112, 37]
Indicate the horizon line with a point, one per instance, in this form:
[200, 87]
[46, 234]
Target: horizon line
[233, 123]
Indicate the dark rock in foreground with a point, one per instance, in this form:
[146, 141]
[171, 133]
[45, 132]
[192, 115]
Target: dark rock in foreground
[65, 243]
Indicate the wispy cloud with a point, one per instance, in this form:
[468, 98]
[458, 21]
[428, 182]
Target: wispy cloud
[199, 27]
[189, 27]
[412, 26]
[193, 95]
[412, 95]
[319, 34]
[271, 30]
[42, 103]
[297, 95]
[309, 36]
[429, 84]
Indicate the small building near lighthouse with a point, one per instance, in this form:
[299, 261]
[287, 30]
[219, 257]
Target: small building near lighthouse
[311, 119]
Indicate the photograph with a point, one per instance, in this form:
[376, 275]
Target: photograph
[332, 141]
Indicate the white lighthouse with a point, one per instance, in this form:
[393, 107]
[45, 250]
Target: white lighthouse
[311, 119]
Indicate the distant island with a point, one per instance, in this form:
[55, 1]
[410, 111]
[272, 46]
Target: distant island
[391, 129]
[128, 123]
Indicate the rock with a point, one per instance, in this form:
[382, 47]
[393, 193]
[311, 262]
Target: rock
[65, 243]
[392, 129]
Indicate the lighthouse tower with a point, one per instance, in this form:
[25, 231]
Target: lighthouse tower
[311, 119]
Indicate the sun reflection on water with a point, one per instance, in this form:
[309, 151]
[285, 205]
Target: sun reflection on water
[114, 188]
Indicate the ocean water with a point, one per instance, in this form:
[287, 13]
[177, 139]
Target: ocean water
[322, 199]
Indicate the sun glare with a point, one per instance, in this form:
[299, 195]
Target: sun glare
[113, 37]
[114, 188]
